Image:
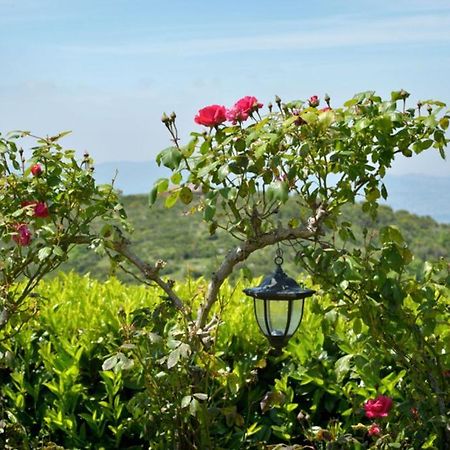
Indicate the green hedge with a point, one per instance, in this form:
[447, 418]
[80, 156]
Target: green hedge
[106, 365]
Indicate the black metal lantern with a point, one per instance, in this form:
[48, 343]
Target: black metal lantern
[278, 303]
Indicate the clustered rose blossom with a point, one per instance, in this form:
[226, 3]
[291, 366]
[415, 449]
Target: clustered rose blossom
[40, 209]
[36, 170]
[314, 101]
[374, 430]
[22, 234]
[378, 407]
[214, 115]
[211, 116]
[243, 109]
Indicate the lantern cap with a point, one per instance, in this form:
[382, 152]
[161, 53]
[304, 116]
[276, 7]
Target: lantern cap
[278, 286]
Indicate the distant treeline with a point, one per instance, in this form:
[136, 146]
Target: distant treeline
[184, 241]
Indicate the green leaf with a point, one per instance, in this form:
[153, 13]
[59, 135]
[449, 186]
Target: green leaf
[110, 363]
[239, 145]
[186, 195]
[372, 194]
[44, 253]
[176, 178]
[279, 190]
[173, 358]
[210, 212]
[170, 157]
[223, 172]
[205, 147]
[342, 367]
[362, 124]
[352, 102]
[185, 401]
[443, 123]
[172, 199]
[357, 326]
[391, 234]
[309, 116]
[152, 196]
[58, 251]
[194, 407]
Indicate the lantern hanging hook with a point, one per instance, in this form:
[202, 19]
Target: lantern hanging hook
[279, 256]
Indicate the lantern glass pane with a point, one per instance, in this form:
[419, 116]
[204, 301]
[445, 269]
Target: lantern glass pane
[296, 317]
[277, 316]
[260, 318]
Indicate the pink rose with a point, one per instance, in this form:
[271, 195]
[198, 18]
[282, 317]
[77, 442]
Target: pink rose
[243, 109]
[211, 116]
[378, 407]
[36, 170]
[40, 209]
[314, 101]
[23, 234]
[374, 430]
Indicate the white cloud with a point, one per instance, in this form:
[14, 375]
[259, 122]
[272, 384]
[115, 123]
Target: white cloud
[344, 31]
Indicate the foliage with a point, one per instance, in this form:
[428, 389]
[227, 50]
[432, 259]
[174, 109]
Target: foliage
[169, 378]
[326, 156]
[48, 203]
[109, 365]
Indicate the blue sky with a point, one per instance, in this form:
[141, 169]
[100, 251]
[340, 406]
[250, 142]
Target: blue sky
[108, 69]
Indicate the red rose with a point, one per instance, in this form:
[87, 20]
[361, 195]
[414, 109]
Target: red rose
[374, 430]
[211, 116]
[40, 209]
[23, 234]
[314, 101]
[243, 108]
[36, 169]
[378, 407]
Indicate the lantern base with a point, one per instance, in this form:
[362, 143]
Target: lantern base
[278, 342]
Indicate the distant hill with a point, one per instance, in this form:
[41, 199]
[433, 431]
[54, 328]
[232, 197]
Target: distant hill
[184, 242]
[418, 194]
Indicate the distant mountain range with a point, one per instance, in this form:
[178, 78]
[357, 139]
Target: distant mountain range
[418, 194]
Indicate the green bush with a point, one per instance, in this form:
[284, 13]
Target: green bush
[109, 366]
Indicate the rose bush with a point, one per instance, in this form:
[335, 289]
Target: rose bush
[49, 202]
[239, 177]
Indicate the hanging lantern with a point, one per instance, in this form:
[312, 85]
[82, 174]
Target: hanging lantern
[278, 303]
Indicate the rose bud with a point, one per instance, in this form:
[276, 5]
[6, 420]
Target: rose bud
[314, 101]
[36, 170]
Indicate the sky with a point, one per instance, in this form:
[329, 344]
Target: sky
[108, 69]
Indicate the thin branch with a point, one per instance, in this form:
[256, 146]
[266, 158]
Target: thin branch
[122, 247]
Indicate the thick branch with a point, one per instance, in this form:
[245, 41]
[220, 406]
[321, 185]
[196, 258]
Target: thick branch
[122, 247]
[244, 250]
